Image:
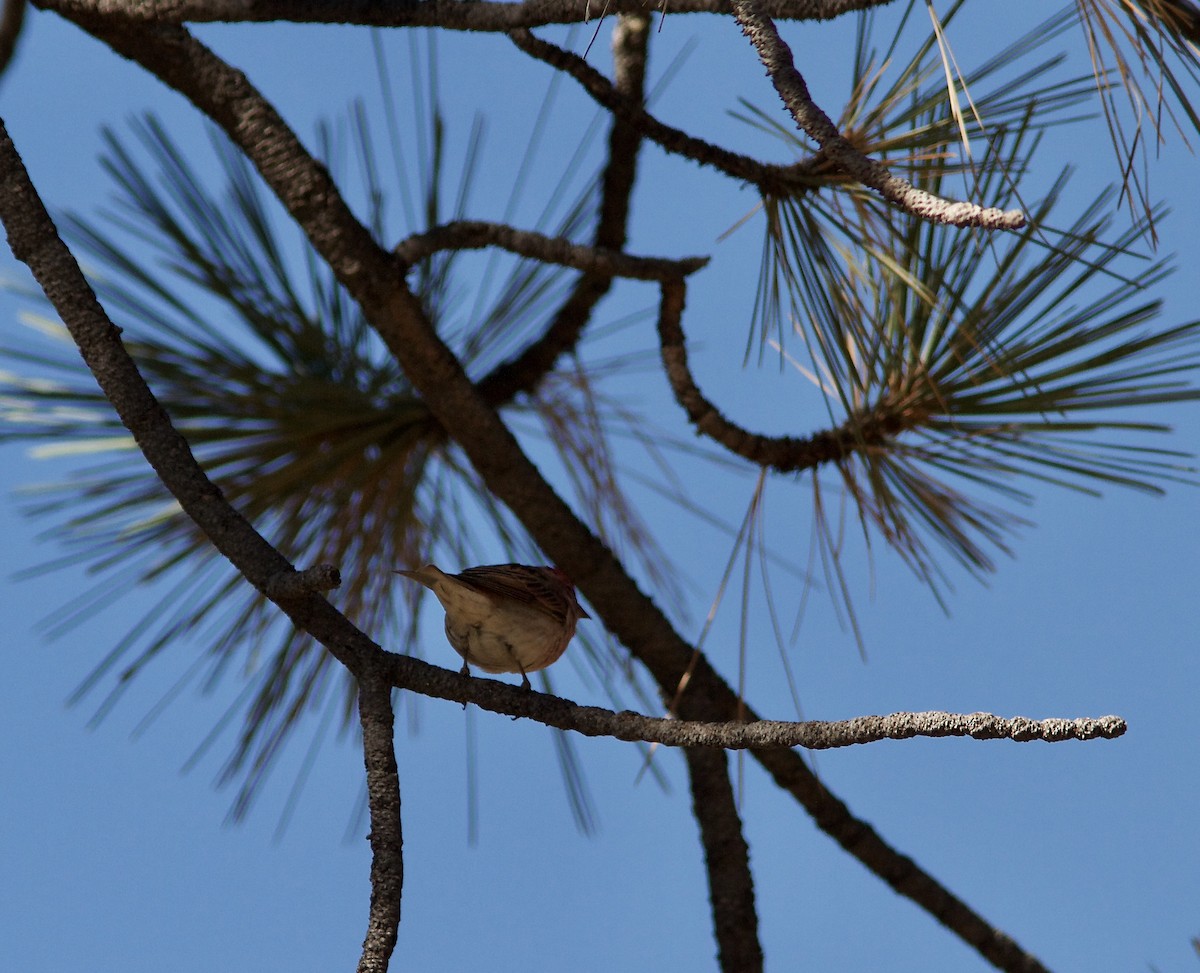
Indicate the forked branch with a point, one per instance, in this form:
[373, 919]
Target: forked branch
[776, 57]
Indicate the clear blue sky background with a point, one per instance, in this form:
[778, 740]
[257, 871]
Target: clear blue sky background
[112, 860]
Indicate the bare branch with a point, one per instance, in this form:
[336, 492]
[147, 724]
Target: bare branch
[406, 672]
[368, 272]
[377, 718]
[478, 15]
[727, 859]
[776, 57]
[475, 235]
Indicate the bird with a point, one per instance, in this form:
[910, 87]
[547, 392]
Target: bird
[505, 617]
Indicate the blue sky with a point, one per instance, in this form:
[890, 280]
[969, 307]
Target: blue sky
[1085, 853]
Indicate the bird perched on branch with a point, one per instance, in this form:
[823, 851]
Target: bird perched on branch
[505, 617]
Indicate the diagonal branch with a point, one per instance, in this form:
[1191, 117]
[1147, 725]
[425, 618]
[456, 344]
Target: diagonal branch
[776, 57]
[368, 273]
[727, 859]
[378, 720]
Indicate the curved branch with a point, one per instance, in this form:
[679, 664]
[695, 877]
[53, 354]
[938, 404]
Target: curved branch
[368, 273]
[377, 719]
[475, 235]
[477, 15]
[776, 57]
[784, 454]
[727, 860]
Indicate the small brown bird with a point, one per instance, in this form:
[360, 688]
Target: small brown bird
[505, 617]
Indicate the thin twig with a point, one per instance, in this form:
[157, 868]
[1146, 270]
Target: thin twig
[378, 719]
[727, 861]
[475, 235]
[776, 57]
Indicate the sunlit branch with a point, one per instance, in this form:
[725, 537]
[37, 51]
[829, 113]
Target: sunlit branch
[779, 180]
[473, 235]
[406, 672]
[368, 273]
[784, 454]
[727, 861]
[776, 57]
[477, 15]
[377, 719]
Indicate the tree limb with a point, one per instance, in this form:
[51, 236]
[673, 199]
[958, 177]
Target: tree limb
[727, 860]
[377, 719]
[475, 15]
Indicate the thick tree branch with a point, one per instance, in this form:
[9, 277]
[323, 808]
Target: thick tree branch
[776, 57]
[475, 235]
[11, 20]
[479, 15]
[368, 273]
[377, 719]
[727, 860]
[784, 454]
